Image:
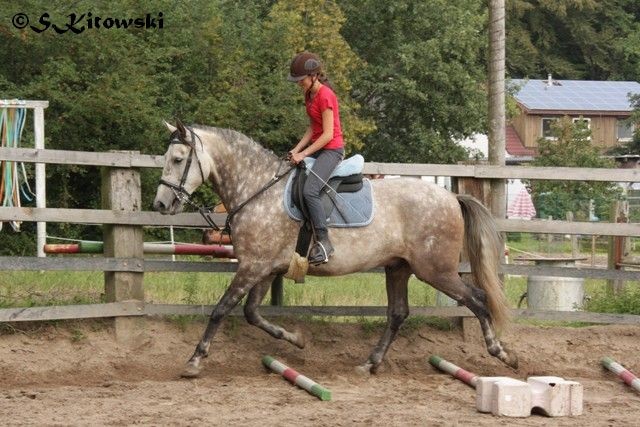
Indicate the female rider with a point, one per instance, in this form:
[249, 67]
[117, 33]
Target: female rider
[322, 140]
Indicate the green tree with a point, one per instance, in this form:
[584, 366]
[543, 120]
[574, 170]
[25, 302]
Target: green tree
[571, 147]
[239, 61]
[297, 25]
[215, 62]
[107, 89]
[423, 82]
[574, 39]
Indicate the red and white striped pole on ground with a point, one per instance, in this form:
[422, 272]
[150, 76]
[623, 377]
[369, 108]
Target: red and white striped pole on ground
[455, 371]
[296, 378]
[84, 247]
[627, 376]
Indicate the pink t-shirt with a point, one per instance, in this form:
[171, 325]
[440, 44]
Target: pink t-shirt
[323, 99]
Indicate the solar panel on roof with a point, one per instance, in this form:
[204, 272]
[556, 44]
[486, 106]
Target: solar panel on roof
[575, 94]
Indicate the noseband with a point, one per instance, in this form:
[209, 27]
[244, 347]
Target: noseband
[179, 190]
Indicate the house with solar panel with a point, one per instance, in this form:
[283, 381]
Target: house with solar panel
[604, 106]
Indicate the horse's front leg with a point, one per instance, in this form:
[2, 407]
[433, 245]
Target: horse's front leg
[256, 295]
[244, 280]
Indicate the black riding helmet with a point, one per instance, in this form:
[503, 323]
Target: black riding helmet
[302, 65]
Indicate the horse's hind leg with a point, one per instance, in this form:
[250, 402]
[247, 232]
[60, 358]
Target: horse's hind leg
[475, 299]
[397, 280]
[255, 297]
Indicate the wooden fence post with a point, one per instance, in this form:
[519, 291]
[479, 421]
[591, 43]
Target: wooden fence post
[481, 190]
[619, 214]
[277, 291]
[121, 192]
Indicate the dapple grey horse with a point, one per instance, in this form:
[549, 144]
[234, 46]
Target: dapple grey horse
[418, 228]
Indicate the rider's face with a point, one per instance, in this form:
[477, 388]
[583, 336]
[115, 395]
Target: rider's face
[306, 83]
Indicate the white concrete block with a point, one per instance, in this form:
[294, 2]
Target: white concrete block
[555, 396]
[484, 392]
[511, 398]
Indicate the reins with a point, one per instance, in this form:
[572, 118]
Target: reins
[182, 194]
[277, 177]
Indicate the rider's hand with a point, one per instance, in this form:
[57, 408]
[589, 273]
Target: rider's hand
[296, 158]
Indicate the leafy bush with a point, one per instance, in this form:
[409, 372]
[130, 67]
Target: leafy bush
[627, 302]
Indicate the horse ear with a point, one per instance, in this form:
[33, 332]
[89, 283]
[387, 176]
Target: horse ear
[169, 126]
[181, 128]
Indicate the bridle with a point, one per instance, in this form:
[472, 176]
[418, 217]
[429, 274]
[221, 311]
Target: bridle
[178, 189]
[184, 196]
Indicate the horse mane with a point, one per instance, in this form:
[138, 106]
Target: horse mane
[242, 141]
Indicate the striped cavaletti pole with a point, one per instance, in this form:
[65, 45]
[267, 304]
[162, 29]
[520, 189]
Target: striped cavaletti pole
[296, 378]
[88, 247]
[455, 371]
[623, 373]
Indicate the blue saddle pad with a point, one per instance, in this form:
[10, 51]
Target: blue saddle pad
[351, 209]
[351, 166]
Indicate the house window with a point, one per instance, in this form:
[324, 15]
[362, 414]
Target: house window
[547, 132]
[625, 130]
[586, 121]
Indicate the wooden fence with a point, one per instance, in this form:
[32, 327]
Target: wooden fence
[124, 264]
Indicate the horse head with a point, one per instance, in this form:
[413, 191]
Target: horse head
[187, 165]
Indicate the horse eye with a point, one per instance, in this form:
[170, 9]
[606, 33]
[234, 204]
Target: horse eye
[177, 160]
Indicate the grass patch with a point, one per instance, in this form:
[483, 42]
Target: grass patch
[184, 320]
[28, 288]
[371, 326]
[414, 323]
[553, 323]
[77, 335]
[365, 289]
[76, 329]
[542, 244]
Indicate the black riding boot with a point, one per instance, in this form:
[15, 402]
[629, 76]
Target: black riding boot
[321, 250]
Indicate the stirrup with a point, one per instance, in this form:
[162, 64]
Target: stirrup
[320, 254]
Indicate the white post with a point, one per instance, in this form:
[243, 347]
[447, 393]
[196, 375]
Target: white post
[171, 237]
[41, 193]
[38, 126]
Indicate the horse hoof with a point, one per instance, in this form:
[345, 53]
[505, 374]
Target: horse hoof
[364, 370]
[510, 358]
[192, 370]
[301, 337]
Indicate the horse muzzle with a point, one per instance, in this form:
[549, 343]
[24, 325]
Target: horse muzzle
[167, 207]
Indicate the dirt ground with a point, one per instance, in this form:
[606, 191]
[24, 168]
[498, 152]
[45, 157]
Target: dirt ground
[79, 374]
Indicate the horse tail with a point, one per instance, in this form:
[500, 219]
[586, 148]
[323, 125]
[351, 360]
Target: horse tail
[484, 247]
